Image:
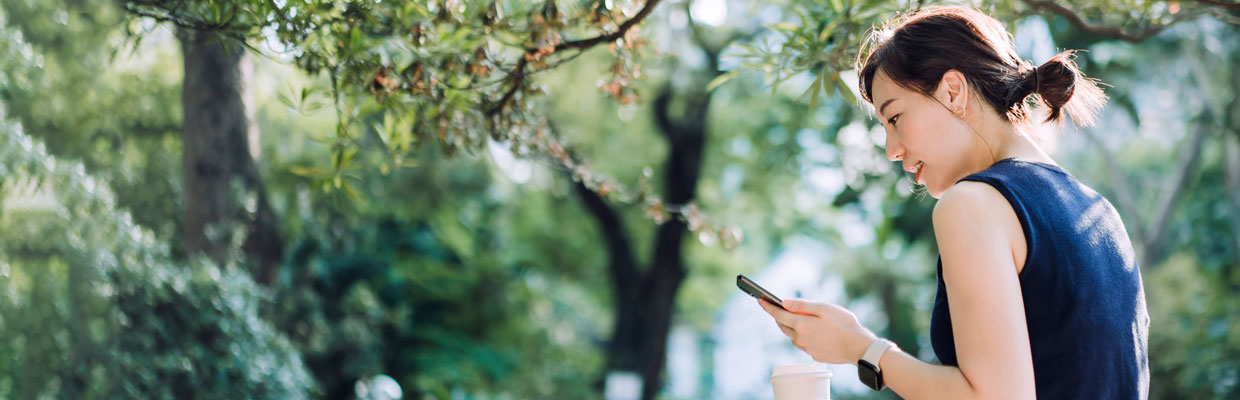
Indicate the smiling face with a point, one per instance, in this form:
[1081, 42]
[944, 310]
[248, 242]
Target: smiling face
[925, 133]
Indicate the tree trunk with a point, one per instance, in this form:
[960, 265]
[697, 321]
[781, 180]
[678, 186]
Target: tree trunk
[646, 300]
[224, 194]
[687, 138]
[622, 267]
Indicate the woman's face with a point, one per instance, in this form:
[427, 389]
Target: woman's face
[933, 143]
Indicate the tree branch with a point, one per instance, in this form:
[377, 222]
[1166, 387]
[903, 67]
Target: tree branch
[275, 7]
[620, 31]
[662, 104]
[518, 73]
[1226, 5]
[1104, 30]
[623, 263]
[518, 80]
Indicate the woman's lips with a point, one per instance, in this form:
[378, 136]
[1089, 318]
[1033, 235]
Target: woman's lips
[917, 177]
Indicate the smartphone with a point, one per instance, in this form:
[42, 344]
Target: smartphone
[758, 292]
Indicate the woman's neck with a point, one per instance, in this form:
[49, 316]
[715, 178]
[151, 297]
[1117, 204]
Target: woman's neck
[1006, 141]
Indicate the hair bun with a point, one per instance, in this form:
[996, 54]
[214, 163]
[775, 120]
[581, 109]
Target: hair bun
[1062, 87]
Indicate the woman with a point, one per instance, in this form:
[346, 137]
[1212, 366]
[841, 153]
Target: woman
[1039, 292]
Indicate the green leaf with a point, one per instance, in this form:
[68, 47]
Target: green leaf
[308, 172]
[384, 133]
[805, 19]
[369, 107]
[285, 100]
[783, 26]
[457, 35]
[216, 15]
[355, 39]
[462, 80]
[349, 154]
[721, 79]
[775, 84]
[828, 84]
[844, 90]
[814, 89]
[871, 8]
[349, 190]
[750, 50]
[826, 31]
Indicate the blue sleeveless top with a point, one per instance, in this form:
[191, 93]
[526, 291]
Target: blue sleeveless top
[1084, 302]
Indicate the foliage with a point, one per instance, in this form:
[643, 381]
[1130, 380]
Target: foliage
[90, 95]
[402, 304]
[406, 74]
[102, 312]
[1192, 353]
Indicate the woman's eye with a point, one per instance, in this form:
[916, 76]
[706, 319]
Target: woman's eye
[892, 120]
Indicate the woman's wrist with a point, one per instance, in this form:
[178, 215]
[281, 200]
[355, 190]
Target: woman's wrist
[861, 343]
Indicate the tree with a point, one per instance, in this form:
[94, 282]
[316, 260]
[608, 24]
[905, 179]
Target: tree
[645, 300]
[223, 188]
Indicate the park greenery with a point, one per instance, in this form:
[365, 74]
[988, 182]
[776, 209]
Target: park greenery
[517, 199]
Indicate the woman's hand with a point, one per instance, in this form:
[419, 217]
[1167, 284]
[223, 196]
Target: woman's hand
[828, 333]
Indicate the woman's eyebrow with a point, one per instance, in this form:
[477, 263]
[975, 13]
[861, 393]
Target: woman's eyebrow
[884, 106]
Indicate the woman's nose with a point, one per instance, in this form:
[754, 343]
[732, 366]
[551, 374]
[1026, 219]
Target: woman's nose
[895, 150]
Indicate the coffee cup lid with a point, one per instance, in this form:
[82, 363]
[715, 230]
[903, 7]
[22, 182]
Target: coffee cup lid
[814, 368]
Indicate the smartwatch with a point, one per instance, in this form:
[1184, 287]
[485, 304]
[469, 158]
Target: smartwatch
[867, 366]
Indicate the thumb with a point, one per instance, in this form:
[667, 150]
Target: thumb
[801, 306]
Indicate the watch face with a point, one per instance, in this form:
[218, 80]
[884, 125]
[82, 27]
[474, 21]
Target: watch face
[869, 375]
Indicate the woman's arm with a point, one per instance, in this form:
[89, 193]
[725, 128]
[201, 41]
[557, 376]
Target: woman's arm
[978, 234]
[979, 239]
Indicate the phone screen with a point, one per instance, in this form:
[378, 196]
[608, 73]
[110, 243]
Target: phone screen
[758, 292]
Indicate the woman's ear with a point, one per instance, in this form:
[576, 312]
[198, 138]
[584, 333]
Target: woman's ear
[953, 92]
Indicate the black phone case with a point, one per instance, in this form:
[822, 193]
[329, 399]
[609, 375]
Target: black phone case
[750, 287]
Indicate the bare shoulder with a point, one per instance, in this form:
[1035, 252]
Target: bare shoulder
[971, 215]
[967, 201]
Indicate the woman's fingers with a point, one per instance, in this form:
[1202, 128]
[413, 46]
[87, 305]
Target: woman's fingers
[791, 334]
[782, 316]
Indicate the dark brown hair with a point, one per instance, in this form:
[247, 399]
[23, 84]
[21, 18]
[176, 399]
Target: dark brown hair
[917, 49]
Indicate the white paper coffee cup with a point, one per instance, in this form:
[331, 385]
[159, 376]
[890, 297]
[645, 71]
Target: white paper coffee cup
[801, 382]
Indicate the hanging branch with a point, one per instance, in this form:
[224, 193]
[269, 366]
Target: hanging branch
[517, 76]
[624, 28]
[1095, 28]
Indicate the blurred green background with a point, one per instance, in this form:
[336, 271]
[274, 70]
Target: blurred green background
[472, 199]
